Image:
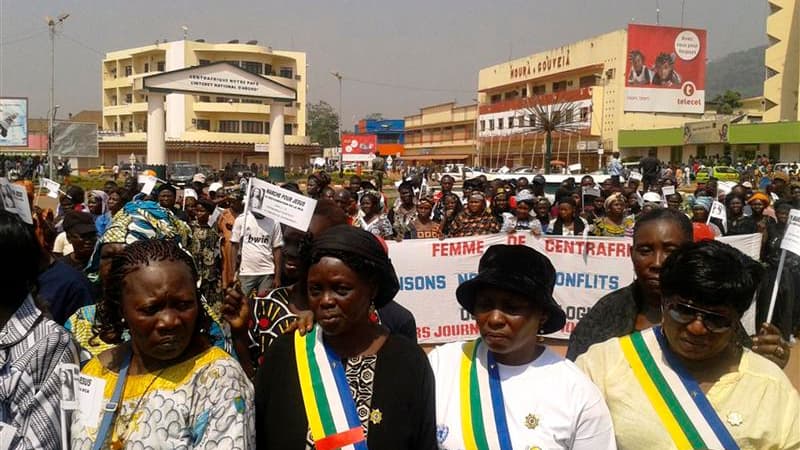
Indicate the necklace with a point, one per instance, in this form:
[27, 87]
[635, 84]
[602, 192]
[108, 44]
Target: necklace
[118, 442]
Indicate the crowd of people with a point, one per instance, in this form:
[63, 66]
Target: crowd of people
[198, 323]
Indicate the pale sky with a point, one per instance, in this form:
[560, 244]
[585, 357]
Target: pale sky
[406, 53]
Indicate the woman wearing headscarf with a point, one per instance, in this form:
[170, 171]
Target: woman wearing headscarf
[316, 182]
[163, 385]
[692, 382]
[700, 208]
[523, 218]
[614, 223]
[372, 218]
[404, 212]
[98, 207]
[758, 203]
[475, 219]
[423, 226]
[338, 385]
[505, 390]
[451, 208]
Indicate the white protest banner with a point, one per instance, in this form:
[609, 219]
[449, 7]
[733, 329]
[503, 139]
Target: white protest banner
[279, 204]
[51, 186]
[430, 270]
[149, 183]
[668, 190]
[15, 200]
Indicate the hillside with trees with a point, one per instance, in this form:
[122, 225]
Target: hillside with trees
[741, 71]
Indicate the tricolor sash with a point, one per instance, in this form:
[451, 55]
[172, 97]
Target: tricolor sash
[483, 413]
[683, 408]
[330, 408]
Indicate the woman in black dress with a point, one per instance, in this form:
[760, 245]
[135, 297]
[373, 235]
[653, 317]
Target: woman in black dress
[378, 388]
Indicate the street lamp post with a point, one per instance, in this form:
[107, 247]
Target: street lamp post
[52, 24]
[338, 76]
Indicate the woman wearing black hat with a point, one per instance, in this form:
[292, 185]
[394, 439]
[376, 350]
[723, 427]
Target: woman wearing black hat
[505, 390]
[348, 382]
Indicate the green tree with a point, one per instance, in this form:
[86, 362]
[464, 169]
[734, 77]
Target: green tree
[559, 117]
[728, 102]
[323, 124]
[374, 116]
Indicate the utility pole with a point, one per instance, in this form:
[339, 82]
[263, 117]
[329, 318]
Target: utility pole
[338, 76]
[658, 13]
[52, 24]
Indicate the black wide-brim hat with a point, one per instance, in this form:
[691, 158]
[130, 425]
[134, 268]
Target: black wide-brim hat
[519, 269]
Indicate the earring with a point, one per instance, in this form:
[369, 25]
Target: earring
[373, 313]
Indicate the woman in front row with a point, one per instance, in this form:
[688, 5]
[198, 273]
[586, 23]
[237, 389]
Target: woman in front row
[167, 387]
[348, 382]
[505, 390]
[689, 383]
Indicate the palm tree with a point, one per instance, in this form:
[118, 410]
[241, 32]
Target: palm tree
[557, 117]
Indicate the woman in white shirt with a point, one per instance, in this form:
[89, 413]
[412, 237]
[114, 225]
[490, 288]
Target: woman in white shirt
[505, 390]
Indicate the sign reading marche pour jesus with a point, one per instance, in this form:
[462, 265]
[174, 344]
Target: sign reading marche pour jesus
[430, 270]
[280, 205]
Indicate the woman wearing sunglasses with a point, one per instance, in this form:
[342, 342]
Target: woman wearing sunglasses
[689, 383]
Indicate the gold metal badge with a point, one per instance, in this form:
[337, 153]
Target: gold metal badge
[531, 421]
[375, 416]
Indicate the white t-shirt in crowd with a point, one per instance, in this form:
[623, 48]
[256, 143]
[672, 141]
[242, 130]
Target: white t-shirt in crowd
[549, 403]
[61, 244]
[261, 237]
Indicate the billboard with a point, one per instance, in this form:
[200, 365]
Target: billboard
[359, 147]
[706, 132]
[13, 122]
[666, 69]
[73, 139]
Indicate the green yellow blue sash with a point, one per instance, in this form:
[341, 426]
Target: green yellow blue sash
[330, 408]
[483, 414]
[677, 399]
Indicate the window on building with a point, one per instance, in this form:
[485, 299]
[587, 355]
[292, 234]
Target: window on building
[286, 72]
[559, 86]
[568, 116]
[483, 125]
[146, 67]
[287, 129]
[252, 101]
[116, 126]
[521, 121]
[701, 151]
[228, 126]
[491, 124]
[161, 66]
[128, 98]
[676, 153]
[203, 124]
[128, 71]
[496, 98]
[113, 100]
[524, 92]
[251, 126]
[511, 122]
[587, 81]
[532, 120]
[253, 66]
[204, 98]
[584, 114]
[266, 127]
[539, 90]
[500, 123]
[268, 69]
[113, 72]
[774, 152]
[555, 116]
[204, 62]
[227, 100]
[130, 126]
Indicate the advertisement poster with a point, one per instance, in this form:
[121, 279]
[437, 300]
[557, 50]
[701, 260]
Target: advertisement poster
[13, 122]
[706, 132]
[359, 147]
[666, 69]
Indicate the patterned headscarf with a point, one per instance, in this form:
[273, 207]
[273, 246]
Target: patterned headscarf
[703, 202]
[102, 197]
[139, 220]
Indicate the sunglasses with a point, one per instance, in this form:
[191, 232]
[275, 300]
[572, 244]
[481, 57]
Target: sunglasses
[684, 314]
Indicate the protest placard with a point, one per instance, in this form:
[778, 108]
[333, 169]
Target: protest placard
[15, 200]
[668, 190]
[791, 243]
[51, 186]
[149, 183]
[430, 270]
[279, 204]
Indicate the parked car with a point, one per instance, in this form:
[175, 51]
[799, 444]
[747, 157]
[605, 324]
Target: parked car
[181, 173]
[721, 173]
